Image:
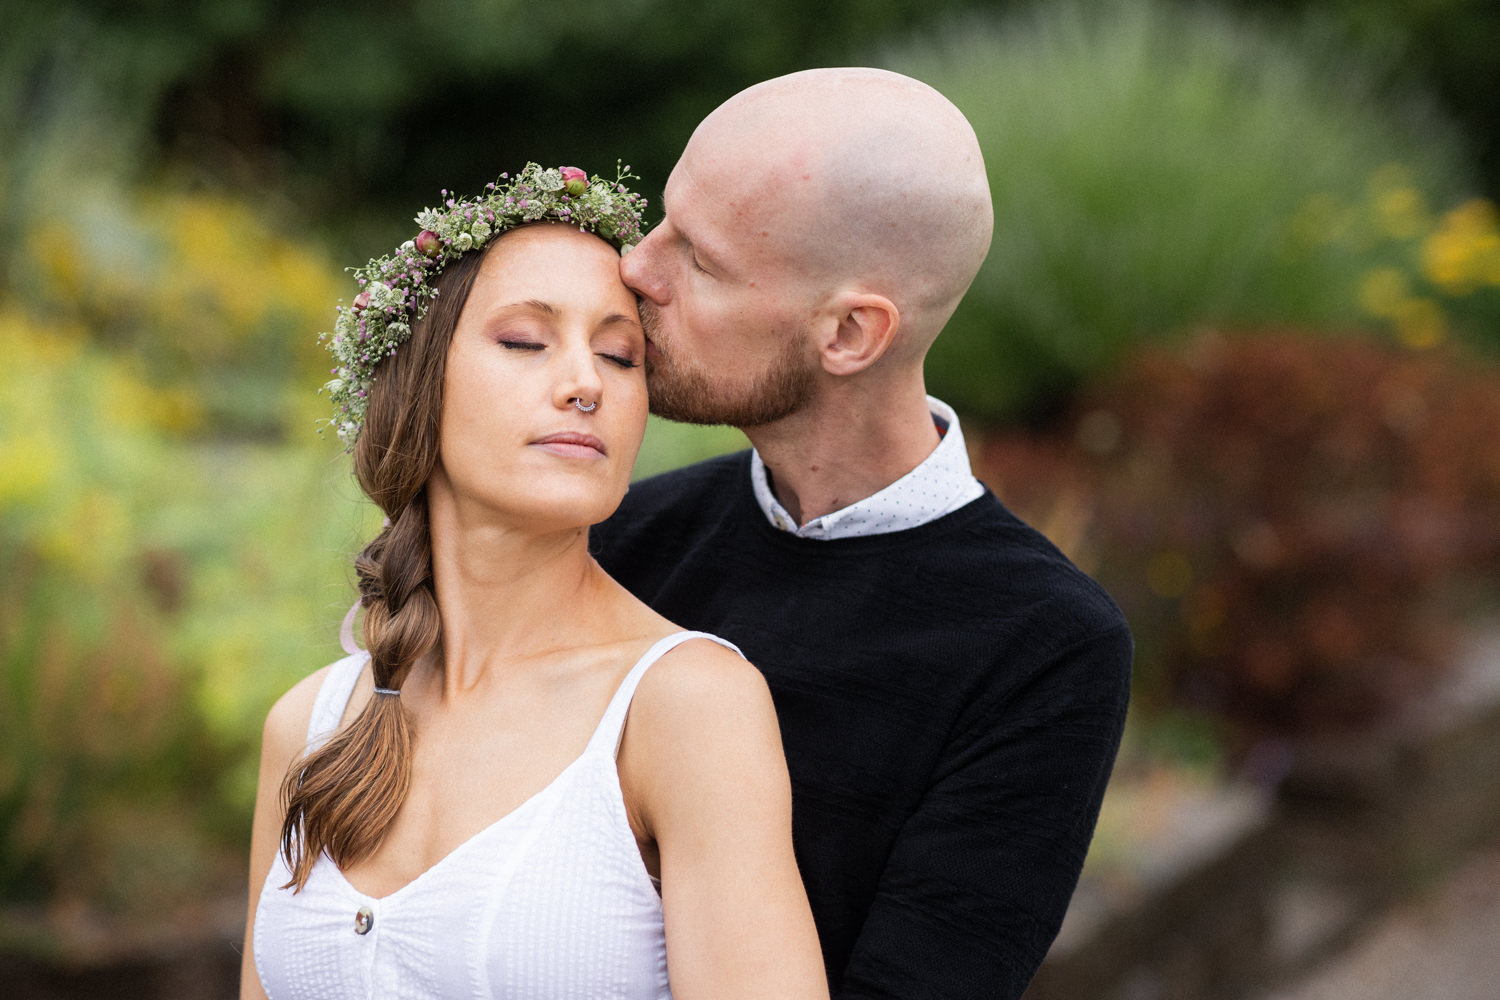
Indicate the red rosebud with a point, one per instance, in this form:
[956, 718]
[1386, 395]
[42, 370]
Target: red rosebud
[361, 300]
[575, 181]
[428, 243]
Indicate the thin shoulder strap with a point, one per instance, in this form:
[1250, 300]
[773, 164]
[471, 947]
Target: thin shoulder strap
[333, 698]
[612, 725]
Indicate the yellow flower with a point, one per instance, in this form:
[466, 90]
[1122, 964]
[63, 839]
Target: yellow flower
[32, 461]
[1463, 253]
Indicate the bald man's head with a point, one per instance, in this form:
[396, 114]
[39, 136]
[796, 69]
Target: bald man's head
[820, 229]
[855, 176]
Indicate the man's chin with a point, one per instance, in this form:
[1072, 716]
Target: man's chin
[697, 413]
[688, 396]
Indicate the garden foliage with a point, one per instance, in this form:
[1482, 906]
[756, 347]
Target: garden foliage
[1294, 525]
[166, 573]
[1152, 165]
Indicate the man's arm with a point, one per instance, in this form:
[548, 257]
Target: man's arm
[980, 876]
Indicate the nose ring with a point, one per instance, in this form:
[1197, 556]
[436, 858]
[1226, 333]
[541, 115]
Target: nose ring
[578, 402]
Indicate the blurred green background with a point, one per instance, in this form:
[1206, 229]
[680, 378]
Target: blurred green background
[1234, 347]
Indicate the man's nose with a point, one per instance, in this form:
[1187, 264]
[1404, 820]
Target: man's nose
[638, 270]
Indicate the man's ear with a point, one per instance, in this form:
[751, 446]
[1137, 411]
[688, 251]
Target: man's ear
[866, 327]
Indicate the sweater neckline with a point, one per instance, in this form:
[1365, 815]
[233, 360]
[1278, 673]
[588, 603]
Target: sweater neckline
[747, 508]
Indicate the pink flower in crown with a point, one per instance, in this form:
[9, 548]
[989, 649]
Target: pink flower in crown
[428, 243]
[575, 181]
[361, 301]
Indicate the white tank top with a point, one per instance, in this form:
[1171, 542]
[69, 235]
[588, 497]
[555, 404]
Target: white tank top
[550, 901]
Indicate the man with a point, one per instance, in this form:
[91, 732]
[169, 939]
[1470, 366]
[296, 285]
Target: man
[951, 690]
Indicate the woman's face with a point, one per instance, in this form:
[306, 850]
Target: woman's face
[547, 325]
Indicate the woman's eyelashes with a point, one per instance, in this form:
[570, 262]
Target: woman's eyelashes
[624, 359]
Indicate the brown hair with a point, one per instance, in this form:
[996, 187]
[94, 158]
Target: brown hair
[342, 797]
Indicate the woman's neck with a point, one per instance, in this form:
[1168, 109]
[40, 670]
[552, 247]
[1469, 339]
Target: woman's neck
[507, 595]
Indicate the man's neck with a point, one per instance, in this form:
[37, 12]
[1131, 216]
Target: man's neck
[829, 456]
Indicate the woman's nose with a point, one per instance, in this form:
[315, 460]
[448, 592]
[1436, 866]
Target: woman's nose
[580, 379]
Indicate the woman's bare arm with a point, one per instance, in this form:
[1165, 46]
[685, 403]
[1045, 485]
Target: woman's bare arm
[705, 776]
[282, 741]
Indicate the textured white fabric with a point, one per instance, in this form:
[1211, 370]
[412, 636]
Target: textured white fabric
[941, 484]
[550, 901]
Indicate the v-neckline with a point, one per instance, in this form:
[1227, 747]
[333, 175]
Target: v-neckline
[652, 653]
[528, 805]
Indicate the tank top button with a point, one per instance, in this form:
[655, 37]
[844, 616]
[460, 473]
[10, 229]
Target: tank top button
[364, 920]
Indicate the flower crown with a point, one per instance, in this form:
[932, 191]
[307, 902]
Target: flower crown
[397, 288]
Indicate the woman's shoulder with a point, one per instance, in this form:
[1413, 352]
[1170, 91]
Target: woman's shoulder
[288, 721]
[703, 695]
[702, 739]
[701, 670]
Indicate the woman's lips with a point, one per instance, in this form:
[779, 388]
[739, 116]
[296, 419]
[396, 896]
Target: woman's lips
[571, 444]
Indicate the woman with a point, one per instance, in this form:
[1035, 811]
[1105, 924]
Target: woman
[485, 803]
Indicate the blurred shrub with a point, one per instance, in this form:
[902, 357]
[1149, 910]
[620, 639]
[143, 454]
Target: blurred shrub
[103, 754]
[157, 595]
[362, 111]
[1448, 45]
[214, 308]
[1293, 525]
[1149, 162]
[1429, 274]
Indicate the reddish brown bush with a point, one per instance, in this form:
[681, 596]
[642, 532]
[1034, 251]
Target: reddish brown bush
[1294, 525]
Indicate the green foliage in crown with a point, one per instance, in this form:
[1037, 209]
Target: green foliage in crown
[396, 289]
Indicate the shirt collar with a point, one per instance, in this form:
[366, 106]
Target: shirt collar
[941, 484]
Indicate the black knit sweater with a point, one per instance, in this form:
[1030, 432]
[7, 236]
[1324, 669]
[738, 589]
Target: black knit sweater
[951, 698]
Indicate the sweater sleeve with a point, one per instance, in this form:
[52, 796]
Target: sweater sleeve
[980, 875]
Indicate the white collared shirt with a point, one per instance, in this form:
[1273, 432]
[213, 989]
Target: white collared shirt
[941, 484]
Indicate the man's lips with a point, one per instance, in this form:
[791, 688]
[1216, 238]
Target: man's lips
[571, 444]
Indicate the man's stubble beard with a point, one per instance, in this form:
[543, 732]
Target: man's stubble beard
[694, 396]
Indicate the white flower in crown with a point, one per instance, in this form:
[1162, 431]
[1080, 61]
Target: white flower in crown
[382, 296]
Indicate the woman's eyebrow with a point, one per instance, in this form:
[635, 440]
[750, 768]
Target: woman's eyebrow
[506, 309]
[548, 309]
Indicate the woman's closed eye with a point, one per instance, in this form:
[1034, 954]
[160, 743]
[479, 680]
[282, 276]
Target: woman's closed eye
[623, 360]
